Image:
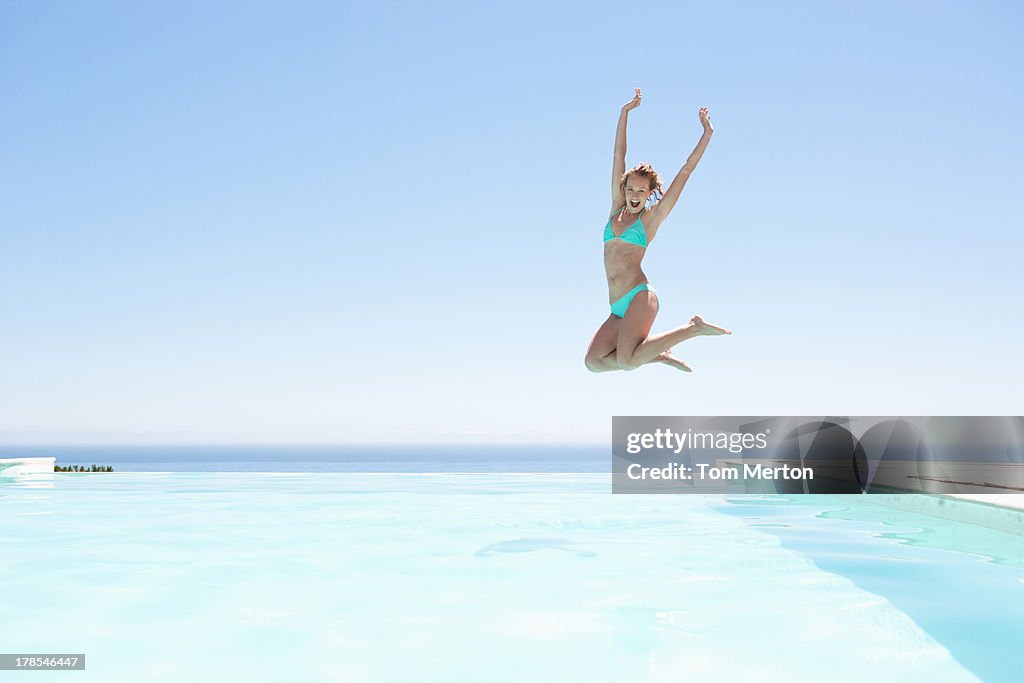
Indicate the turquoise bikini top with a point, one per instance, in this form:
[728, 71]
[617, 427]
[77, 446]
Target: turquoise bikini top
[634, 234]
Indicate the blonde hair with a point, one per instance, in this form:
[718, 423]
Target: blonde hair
[644, 170]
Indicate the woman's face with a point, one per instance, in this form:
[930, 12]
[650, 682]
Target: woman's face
[638, 189]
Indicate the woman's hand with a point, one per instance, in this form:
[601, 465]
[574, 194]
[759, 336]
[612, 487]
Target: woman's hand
[633, 103]
[704, 120]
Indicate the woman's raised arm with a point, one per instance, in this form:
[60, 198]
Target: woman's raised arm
[664, 206]
[619, 164]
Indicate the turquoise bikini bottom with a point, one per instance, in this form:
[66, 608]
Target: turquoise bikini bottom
[620, 306]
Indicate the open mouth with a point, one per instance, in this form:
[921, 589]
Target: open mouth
[634, 203]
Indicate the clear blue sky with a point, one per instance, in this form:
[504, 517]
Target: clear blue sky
[329, 221]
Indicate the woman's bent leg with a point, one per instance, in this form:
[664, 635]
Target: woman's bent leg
[601, 353]
[636, 325]
[651, 347]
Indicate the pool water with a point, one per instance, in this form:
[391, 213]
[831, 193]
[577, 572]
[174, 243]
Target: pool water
[493, 577]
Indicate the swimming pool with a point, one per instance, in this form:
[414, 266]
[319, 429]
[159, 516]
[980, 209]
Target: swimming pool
[493, 577]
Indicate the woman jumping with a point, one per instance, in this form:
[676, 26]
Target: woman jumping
[621, 343]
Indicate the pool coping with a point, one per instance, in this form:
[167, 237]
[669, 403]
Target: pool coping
[978, 509]
[20, 466]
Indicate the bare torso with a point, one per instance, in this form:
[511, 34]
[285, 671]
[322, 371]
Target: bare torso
[622, 260]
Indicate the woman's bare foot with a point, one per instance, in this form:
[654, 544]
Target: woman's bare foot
[703, 327]
[668, 359]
